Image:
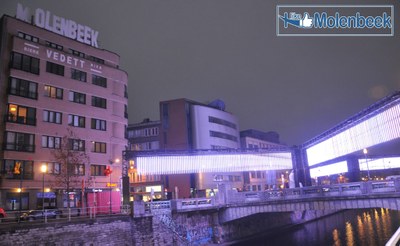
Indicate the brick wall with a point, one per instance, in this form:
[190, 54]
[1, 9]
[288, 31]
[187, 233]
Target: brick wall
[104, 231]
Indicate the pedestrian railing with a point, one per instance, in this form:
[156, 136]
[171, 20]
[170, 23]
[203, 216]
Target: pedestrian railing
[66, 214]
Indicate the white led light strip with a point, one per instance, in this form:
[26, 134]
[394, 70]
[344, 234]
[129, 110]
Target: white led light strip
[380, 128]
[379, 164]
[213, 163]
[336, 168]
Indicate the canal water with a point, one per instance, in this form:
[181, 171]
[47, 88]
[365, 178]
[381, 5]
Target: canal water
[368, 227]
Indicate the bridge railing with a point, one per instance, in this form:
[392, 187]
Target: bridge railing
[63, 214]
[193, 203]
[157, 207]
[161, 207]
[235, 197]
[346, 189]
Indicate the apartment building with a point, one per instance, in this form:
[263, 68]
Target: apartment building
[58, 93]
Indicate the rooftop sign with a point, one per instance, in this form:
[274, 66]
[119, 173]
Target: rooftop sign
[65, 27]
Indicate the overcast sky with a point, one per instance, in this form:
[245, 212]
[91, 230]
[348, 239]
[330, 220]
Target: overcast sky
[228, 49]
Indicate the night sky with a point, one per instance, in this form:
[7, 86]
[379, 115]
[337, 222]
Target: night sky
[228, 49]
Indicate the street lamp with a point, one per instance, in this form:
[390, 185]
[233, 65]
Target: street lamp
[365, 151]
[43, 169]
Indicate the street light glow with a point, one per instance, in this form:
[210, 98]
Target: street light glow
[43, 168]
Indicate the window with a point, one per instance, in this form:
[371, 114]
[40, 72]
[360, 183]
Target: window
[77, 53]
[223, 136]
[21, 114]
[77, 144]
[221, 122]
[100, 81]
[28, 37]
[54, 45]
[219, 147]
[51, 142]
[154, 145]
[52, 117]
[53, 167]
[76, 120]
[97, 170]
[53, 92]
[79, 169]
[233, 178]
[99, 102]
[77, 97]
[99, 147]
[78, 75]
[18, 141]
[126, 111]
[125, 91]
[13, 169]
[22, 88]
[24, 63]
[99, 124]
[55, 68]
[96, 59]
[253, 146]
[165, 116]
[145, 132]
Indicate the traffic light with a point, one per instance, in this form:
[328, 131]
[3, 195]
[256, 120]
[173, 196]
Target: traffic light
[107, 171]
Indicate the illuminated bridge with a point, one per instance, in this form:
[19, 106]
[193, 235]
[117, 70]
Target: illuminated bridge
[231, 205]
[365, 142]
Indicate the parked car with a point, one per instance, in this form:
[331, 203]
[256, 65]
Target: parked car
[2, 214]
[39, 214]
[393, 177]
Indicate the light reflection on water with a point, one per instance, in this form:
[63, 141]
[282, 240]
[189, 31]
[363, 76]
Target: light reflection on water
[349, 234]
[348, 228]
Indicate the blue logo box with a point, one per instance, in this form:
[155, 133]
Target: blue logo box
[334, 20]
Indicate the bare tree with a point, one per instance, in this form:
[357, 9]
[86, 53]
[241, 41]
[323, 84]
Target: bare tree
[73, 161]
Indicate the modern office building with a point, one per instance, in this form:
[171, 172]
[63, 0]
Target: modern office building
[190, 125]
[59, 93]
[184, 125]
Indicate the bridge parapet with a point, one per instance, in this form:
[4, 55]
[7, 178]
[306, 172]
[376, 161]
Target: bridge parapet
[346, 189]
[181, 205]
[354, 191]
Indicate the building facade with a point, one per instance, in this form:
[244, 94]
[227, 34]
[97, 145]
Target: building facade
[261, 180]
[58, 94]
[145, 136]
[190, 125]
